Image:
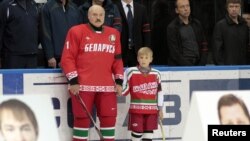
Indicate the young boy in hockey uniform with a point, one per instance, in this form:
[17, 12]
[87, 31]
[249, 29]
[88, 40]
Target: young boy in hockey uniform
[143, 83]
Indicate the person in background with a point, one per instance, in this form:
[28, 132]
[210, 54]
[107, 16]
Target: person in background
[112, 15]
[232, 110]
[135, 30]
[19, 34]
[92, 63]
[17, 121]
[143, 83]
[186, 40]
[161, 17]
[246, 16]
[230, 37]
[57, 17]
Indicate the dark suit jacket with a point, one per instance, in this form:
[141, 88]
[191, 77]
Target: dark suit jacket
[141, 28]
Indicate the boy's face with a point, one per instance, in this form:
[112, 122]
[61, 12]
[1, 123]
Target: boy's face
[13, 129]
[233, 114]
[144, 60]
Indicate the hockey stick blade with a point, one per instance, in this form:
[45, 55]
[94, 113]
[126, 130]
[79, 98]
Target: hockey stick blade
[162, 130]
[89, 115]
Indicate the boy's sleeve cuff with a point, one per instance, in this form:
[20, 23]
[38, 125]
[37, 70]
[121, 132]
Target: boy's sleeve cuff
[73, 81]
[119, 81]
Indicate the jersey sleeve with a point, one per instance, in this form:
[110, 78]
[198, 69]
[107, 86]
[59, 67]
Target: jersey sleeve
[69, 55]
[125, 86]
[117, 66]
[160, 99]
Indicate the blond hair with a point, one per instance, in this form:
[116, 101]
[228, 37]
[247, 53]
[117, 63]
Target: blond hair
[145, 51]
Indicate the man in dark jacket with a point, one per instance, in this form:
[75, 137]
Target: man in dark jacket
[19, 33]
[138, 35]
[186, 41]
[112, 15]
[231, 38]
[56, 19]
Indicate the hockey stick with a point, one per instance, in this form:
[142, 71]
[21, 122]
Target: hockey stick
[89, 115]
[162, 130]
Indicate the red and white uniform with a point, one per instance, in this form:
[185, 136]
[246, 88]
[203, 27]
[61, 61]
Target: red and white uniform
[92, 57]
[144, 90]
[93, 60]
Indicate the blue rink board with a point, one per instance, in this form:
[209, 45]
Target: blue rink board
[13, 78]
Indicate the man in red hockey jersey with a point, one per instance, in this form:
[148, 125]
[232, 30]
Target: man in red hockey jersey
[91, 61]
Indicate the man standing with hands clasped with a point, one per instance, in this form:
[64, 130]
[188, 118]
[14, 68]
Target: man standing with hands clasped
[91, 60]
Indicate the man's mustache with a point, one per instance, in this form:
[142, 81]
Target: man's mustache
[98, 20]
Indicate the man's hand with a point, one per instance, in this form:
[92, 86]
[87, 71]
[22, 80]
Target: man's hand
[52, 62]
[74, 89]
[118, 89]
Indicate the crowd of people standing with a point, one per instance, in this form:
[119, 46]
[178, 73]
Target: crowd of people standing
[24, 26]
[108, 36]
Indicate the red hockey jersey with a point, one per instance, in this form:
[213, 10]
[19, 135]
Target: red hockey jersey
[93, 57]
[143, 90]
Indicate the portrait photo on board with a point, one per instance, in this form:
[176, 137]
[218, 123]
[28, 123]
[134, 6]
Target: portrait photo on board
[215, 108]
[27, 118]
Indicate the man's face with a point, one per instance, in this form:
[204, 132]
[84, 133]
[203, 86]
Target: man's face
[247, 18]
[183, 8]
[13, 129]
[233, 10]
[96, 16]
[233, 114]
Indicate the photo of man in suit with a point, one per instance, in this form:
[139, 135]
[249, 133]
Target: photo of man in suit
[135, 30]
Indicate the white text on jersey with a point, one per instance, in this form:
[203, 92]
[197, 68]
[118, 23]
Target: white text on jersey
[99, 48]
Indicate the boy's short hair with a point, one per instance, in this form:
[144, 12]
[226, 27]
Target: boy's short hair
[145, 51]
[233, 1]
